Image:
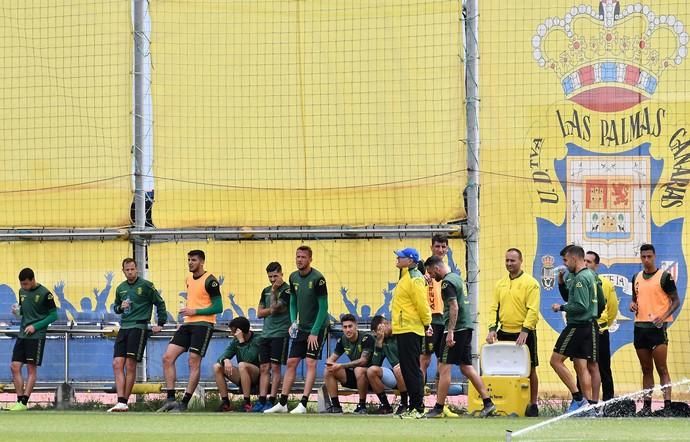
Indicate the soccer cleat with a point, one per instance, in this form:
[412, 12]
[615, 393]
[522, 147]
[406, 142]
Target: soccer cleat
[118, 408]
[277, 408]
[576, 405]
[434, 412]
[488, 410]
[361, 409]
[247, 408]
[448, 413]
[18, 406]
[180, 407]
[167, 406]
[224, 408]
[401, 410]
[299, 409]
[644, 412]
[384, 409]
[413, 414]
[334, 409]
[258, 407]
[532, 410]
[267, 406]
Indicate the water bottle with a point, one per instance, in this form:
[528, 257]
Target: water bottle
[182, 304]
[294, 328]
[127, 309]
[16, 311]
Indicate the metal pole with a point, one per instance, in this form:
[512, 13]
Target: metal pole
[66, 357]
[140, 59]
[471, 12]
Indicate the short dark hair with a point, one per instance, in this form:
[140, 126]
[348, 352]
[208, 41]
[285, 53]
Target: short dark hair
[376, 321]
[241, 323]
[439, 237]
[348, 317]
[565, 249]
[127, 261]
[513, 249]
[576, 251]
[274, 267]
[26, 274]
[433, 261]
[596, 256]
[305, 249]
[645, 247]
[198, 253]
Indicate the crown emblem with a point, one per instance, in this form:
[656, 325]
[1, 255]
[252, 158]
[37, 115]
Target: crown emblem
[610, 59]
[547, 261]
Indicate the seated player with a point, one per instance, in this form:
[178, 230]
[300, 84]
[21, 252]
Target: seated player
[358, 347]
[380, 377]
[245, 349]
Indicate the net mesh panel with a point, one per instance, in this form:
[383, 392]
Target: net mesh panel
[307, 113]
[584, 135]
[65, 114]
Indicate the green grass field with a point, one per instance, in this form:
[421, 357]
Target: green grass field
[194, 427]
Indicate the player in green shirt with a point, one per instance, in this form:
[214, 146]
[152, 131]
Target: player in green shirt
[309, 307]
[380, 377]
[353, 374]
[456, 346]
[134, 301]
[579, 337]
[245, 349]
[37, 309]
[274, 305]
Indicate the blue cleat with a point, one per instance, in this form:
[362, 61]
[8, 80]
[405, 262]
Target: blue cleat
[258, 407]
[576, 405]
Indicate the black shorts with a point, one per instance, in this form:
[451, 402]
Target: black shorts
[273, 350]
[29, 351]
[432, 344]
[194, 338]
[531, 343]
[350, 378]
[461, 352]
[579, 342]
[130, 343]
[649, 338]
[299, 346]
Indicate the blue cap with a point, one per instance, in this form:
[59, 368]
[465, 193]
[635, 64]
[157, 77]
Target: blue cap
[408, 252]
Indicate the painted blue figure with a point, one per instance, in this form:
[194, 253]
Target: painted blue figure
[227, 314]
[88, 312]
[364, 315]
[385, 309]
[7, 298]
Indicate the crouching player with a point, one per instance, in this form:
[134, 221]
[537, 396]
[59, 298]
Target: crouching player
[358, 347]
[245, 348]
[380, 377]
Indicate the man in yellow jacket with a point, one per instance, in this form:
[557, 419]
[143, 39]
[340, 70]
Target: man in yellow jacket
[411, 319]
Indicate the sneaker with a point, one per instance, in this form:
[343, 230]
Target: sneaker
[361, 409]
[167, 406]
[18, 406]
[448, 413]
[576, 405]
[413, 414]
[333, 409]
[435, 412]
[119, 407]
[224, 408]
[299, 409]
[277, 408]
[258, 407]
[267, 406]
[384, 409]
[488, 410]
[401, 410]
[180, 407]
[532, 411]
[247, 408]
[644, 412]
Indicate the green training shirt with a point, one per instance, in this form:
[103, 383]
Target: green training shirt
[247, 351]
[354, 349]
[276, 325]
[36, 306]
[388, 351]
[142, 295]
[581, 308]
[306, 291]
[453, 288]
